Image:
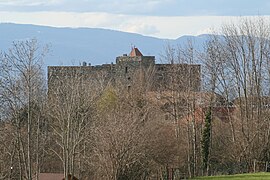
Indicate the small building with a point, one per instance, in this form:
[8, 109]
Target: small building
[54, 176]
[50, 176]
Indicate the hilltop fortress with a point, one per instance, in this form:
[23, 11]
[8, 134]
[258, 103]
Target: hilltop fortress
[184, 75]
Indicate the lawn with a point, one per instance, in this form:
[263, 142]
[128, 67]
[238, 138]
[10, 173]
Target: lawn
[238, 176]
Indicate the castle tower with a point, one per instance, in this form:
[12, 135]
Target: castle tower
[128, 65]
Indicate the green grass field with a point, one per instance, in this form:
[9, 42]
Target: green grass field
[239, 176]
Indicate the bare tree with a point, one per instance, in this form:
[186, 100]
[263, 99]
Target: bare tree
[71, 101]
[182, 95]
[22, 93]
[237, 60]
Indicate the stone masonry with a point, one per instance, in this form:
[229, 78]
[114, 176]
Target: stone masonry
[183, 75]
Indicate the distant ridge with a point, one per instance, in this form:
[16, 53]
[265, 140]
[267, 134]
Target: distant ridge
[93, 45]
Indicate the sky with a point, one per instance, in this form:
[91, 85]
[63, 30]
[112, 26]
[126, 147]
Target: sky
[158, 18]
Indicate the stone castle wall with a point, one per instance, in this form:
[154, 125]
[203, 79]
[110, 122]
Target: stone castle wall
[182, 75]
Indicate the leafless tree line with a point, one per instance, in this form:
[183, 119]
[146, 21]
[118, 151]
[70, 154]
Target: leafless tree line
[235, 86]
[92, 128]
[81, 126]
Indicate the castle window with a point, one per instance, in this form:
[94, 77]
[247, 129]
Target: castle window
[160, 69]
[126, 70]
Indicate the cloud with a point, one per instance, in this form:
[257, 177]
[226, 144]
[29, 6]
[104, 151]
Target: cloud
[170, 27]
[143, 7]
[139, 7]
[131, 6]
[22, 3]
[142, 28]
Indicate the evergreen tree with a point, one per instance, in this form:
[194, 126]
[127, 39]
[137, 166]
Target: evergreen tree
[206, 138]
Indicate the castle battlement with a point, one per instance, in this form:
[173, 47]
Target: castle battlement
[127, 65]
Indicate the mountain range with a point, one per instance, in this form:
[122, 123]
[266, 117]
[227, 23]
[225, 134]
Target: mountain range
[72, 46]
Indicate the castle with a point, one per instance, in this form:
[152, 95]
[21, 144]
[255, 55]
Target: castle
[184, 75]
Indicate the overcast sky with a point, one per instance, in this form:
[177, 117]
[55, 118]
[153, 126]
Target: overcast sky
[158, 18]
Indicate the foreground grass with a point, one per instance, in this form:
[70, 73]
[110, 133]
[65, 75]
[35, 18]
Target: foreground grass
[247, 176]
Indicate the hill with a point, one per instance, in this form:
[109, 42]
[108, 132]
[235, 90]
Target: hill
[96, 46]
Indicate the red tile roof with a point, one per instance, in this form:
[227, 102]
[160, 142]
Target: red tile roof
[51, 176]
[221, 113]
[54, 176]
[135, 52]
